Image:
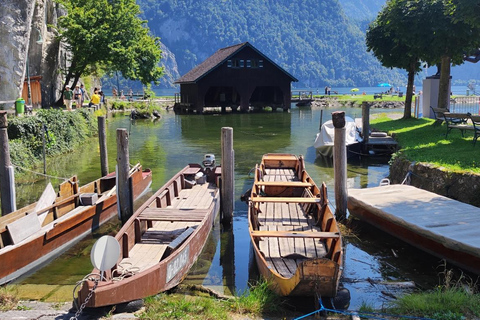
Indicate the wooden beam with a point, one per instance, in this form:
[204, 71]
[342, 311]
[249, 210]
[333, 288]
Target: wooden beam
[284, 184]
[294, 234]
[285, 199]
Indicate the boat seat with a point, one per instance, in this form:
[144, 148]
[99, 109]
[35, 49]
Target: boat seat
[285, 199]
[284, 184]
[295, 234]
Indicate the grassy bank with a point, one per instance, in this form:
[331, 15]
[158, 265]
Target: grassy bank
[422, 141]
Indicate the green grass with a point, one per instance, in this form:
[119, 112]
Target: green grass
[359, 98]
[441, 304]
[421, 141]
[8, 297]
[259, 300]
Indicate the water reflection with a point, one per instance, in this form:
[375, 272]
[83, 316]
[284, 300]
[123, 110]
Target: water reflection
[227, 263]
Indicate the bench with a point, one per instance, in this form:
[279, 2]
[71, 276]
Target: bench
[439, 116]
[460, 121]
[378, 95]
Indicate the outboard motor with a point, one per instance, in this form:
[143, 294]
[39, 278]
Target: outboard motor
[209, 160]
[209, 164]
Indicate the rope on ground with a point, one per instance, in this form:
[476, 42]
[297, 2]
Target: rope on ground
[370, 315]
[38, 173]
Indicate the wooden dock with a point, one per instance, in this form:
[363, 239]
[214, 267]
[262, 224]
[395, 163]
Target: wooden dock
[381, 145]
[436, 224]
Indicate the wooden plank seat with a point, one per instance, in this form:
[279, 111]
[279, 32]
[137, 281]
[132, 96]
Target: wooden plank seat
[284, 184]
[170, 214]
[285, 199]
[295, 234]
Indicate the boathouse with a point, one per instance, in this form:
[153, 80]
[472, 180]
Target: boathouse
[238, 76]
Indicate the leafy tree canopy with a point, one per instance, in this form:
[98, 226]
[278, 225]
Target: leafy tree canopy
[109, 34]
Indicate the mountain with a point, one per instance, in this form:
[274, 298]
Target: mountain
[313, 40]
[362, 9]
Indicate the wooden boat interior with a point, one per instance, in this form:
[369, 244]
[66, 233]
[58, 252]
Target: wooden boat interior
[164, 222]
[290, 217]
[39, 217]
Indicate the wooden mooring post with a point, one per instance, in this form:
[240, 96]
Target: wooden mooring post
[340, 165]
[228, 180]
[102, 140]
[365, 122]
[124, 194]
[7, 179]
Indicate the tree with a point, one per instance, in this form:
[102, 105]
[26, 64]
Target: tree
[469, 12]
[108, 35]
[388, 37]
[448, 37]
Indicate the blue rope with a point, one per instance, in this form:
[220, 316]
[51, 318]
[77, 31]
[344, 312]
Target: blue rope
[362, 314]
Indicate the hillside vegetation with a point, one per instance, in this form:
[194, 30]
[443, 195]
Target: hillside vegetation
[313, 40]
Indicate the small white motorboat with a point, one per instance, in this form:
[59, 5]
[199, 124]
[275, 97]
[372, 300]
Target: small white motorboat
[324, 139]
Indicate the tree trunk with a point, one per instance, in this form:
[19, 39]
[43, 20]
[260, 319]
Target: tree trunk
[444, 87]
[407, 113]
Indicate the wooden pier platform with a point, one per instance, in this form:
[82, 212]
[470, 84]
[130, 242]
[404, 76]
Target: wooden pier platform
[436, 224]
[381, 145]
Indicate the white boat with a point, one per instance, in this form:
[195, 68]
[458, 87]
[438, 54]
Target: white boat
[324, 139]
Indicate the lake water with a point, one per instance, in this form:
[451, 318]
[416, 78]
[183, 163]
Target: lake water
[167, 145]
[456, 90]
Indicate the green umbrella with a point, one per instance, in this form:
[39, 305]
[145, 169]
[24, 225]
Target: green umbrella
[354, 89]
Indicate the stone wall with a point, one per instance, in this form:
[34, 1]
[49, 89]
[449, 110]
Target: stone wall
[26, 38]
[462, 187]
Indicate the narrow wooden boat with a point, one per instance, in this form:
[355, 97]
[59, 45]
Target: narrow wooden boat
[35, 234]
[296, 240]
[443, 227]
[161, 241]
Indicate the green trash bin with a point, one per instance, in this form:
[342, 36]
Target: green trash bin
[20, 105]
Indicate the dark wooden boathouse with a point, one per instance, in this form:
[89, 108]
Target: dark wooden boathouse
[238, 76]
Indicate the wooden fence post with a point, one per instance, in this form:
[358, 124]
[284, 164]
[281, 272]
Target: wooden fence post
[228, 173]
[124, 194]
[340, 165]
[7, 180]
[102, 139]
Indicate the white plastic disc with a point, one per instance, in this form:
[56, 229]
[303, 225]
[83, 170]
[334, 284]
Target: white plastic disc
[105, 253]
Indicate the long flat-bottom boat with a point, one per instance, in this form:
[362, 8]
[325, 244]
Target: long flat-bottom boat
[296, 240]
[161, 241]
[33, 235]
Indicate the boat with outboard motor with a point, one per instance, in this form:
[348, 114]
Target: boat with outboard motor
[161, 241]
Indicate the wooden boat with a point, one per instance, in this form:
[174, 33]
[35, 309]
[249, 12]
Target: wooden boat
[296, 240]
[33, 235]
[161, 241]
[443, 227]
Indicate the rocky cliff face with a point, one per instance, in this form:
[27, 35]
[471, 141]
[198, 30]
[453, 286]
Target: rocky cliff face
[27, 41]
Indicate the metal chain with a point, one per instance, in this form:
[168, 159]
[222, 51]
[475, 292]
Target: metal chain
[84, 304]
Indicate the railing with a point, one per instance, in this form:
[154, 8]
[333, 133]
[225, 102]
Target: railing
[464, 104]
[301, 95]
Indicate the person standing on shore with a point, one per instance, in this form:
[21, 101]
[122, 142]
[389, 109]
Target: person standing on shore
[82, 89]
[67, 98]
[77, 95]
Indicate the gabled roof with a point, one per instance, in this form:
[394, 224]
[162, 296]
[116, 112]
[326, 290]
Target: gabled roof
[217, 59]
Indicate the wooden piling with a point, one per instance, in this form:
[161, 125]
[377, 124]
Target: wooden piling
[102, 139]
[7, 182]
[321, 120]
[228, 181]
[365, 122]
[340, 165]
[124, 194]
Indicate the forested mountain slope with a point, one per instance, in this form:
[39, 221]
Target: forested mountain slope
[313, 40]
